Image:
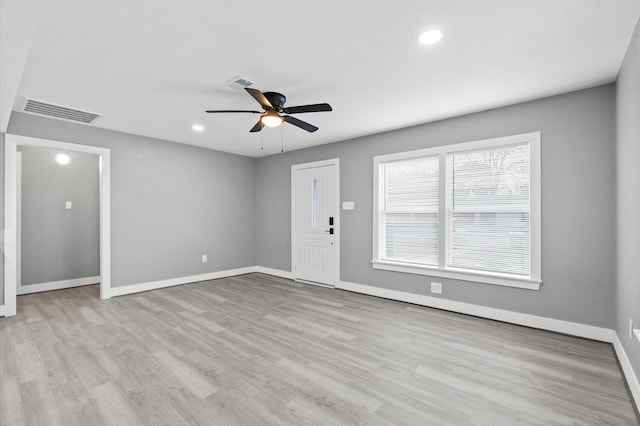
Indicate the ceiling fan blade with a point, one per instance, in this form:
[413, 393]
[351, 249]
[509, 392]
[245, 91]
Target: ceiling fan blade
[258, 96]
[231, 110]
[307, 108]
[257, 127]
[299, 123]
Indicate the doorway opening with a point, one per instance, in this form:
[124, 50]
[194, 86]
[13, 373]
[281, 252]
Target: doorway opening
[58, 229]
[12, 142]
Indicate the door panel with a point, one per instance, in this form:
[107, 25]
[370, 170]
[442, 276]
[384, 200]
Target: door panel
[314, 242]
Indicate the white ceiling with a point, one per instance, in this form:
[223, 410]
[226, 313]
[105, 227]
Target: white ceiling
[153, 66]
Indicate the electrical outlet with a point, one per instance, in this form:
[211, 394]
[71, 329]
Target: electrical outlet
[630, 328]
[204, 258]
[436, 288]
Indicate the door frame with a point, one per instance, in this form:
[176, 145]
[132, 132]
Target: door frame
[335, 162]
[10, 212]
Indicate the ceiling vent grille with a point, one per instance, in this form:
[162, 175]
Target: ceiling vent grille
[57, 111]
[237, 84]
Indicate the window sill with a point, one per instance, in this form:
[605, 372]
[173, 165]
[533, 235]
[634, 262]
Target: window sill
[505, 280]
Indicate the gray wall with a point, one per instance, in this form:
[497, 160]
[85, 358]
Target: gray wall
[58, 243]
[578, 204]
[170, 203]
[628, 212]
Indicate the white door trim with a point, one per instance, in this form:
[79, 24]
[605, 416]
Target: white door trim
[19, 223]
[336, 224]
[10, 212]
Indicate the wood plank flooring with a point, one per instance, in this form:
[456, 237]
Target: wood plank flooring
[260, 350]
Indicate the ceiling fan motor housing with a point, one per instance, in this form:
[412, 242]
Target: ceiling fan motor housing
[276, 99]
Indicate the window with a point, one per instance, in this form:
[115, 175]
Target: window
[314, 203]
[488, 211]
[410, 213]
[468, 211]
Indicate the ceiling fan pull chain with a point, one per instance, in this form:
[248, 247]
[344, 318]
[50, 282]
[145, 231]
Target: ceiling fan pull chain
[282, 139]
[261, 141]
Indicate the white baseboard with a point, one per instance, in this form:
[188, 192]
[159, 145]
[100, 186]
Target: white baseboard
[550, 324]
[275, 272]
[56, 285]
[154, 285]
[1, 310]
[627, 369]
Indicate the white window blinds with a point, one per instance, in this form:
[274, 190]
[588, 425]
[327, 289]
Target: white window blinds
[467, 211]
[410, 210]
[489, 210]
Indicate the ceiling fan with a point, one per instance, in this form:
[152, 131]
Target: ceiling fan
[273, 104]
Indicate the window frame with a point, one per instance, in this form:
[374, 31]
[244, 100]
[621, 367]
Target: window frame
[532, 282]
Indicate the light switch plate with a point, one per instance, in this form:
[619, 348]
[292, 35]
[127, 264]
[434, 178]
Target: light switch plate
[348, 205]
[67, 205]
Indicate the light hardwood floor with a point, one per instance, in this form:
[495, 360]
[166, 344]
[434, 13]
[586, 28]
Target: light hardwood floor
[260, 350]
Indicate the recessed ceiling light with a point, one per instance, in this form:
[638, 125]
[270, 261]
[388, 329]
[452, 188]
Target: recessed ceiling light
[63, 159]
[430, 37]
[197, 128]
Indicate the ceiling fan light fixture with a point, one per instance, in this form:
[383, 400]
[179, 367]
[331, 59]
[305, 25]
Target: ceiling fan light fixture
[271, 119]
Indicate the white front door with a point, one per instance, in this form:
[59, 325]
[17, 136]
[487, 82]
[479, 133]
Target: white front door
[315, 222]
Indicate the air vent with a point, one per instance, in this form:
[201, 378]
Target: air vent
[57, 111]
[237, 84]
